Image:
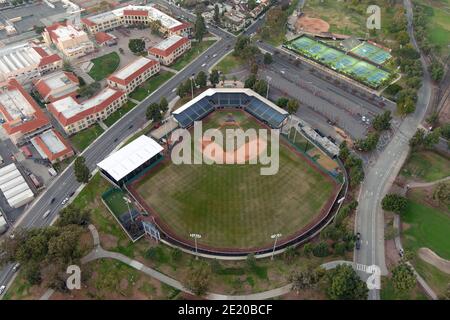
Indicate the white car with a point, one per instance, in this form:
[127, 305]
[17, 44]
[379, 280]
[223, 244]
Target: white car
[203, 65]
[2, 289]
[16, 267]
[65, 200]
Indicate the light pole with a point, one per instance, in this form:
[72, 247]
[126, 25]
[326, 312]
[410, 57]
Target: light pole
[128, 201]
[268, 84]
[192, 85]
[275, 236]
[195, 236]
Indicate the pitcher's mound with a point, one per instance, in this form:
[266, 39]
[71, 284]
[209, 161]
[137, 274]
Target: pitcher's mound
[313, 25]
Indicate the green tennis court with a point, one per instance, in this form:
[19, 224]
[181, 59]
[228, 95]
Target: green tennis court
[372, 53]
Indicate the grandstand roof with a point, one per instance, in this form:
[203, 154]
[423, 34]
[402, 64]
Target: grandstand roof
[213, 91]
[124, 161]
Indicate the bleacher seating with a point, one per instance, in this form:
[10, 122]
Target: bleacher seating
[254, 106]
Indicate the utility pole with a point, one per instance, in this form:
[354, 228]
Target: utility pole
[274, 236]
[195, 236]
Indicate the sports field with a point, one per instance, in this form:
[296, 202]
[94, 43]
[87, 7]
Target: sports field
[233, 206]
[360, 70]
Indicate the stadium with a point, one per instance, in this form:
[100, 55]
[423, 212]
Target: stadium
[234, 208]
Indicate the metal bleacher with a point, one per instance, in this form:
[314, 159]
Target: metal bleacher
[253, 105]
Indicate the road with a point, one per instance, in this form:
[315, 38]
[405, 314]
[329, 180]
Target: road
[379, 177]
[66, 183]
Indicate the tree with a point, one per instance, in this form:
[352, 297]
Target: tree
[216, 15]
[199, 278]
[38, 29]
[290, 254]
[433, 119]
[136, 45]
[344, 152]
[260, 87]
[394, 202]
[292, 106]
[244, 49]
[268, 58]
[432, 138]
[436, 70]
[305, 279]
[403, 277]
[72, 215]
[201, 79]
[81, 171]
[369, 143]
[382, 121]
[307, 249]
[153, 112]
[254, 68]
[441, 193]
[406, 106]
[251, 4]
[282, 102]
[214, 77]
[199, 28]
[250, 81]
[163, 105]
[417, 139]
[321, 249]
[344, 284]
[87, 91]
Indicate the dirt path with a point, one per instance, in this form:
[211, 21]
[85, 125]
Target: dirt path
[432, 258]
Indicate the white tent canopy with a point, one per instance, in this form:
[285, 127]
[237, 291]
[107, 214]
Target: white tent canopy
[122, 162]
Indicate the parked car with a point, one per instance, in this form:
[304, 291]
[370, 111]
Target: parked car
[65, 200]
[16, 267]
[358, 241]
[2, 289]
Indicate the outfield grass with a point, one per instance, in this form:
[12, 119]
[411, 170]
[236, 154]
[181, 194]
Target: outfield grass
[426, 227]
[229, 63]
[84, 138]
[104, 66]
[147, 88]
[116, 115]
[194, 52]
[426, 166]
[233, 205]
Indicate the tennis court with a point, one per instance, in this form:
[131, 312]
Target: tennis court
[362, 71]
[372, 53]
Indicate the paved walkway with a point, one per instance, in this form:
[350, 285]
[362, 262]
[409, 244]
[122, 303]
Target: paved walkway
[426, 184]
[420, 280]
[99, 253]
[168, 69]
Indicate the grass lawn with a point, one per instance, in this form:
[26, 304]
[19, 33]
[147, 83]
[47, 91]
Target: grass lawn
[196, 50]
[229, 63]
[388, 292]
[116, 203]
[104, 66]
[233, 205]
[147, 88]
[426, 166]
[438, 27]
[426, 227]
[437, 279]
[84, 138]
[116, 115]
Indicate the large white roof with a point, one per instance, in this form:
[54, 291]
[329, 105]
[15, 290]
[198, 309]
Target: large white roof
[130, 157]
[14, 187]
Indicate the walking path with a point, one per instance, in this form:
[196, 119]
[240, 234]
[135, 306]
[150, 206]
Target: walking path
[168, 69]
[426, 184]
[99, 253]
[420, 280]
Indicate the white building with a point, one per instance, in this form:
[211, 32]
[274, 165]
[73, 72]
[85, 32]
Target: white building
[14, 187]
[168, 50]
[26, 62]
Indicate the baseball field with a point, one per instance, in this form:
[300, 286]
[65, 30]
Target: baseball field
[232, 205]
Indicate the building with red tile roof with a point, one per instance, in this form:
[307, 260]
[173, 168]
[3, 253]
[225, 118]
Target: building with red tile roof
[57, 85]
[71, 41]
[52, 146]
[26, 62]
[75, 116]
[22, 117]
[103, 38]
[131, 15]
[134, 74]
[168, 50]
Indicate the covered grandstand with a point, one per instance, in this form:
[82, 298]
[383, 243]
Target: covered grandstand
[126, 163]
[217, 98]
